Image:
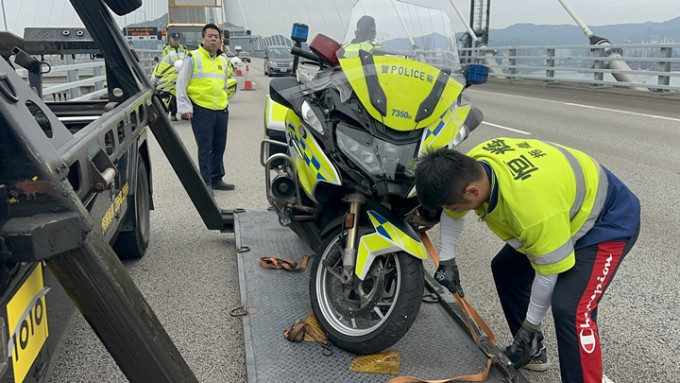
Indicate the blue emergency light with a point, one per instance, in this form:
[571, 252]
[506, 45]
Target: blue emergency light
[476, 74]
[299, 33]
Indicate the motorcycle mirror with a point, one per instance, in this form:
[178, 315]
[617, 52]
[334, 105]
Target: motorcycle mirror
[476, 74]
[280, 86]
[299, 33]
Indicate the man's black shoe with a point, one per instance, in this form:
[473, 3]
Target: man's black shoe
[221, 185]
[173, 118]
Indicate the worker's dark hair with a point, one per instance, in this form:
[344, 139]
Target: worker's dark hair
[442, 176]
[210, 26]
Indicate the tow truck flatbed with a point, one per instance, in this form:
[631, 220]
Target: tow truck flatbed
[436, 346]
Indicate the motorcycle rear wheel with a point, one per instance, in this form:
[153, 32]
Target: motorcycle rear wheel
[372, 315]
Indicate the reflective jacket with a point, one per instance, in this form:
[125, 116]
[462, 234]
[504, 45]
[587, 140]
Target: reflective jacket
[546, 197]
[208, 80]
[169, 48]
[352, 49]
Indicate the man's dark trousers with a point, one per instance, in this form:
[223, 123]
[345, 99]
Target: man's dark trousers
[210, 131]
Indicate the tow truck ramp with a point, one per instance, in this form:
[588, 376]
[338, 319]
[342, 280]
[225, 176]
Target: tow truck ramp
[436, 346]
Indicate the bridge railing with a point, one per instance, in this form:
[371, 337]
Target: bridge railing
[653, 67]
[82, 77]
[650, 67]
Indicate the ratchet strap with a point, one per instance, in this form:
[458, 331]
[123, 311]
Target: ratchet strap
[296, 333]
[286, 264]
[475, 325]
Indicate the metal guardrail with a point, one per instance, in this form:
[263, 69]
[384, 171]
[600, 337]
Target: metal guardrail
[649, 67]
[82, 78]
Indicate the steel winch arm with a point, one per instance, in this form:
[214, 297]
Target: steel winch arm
[43, 219]
[125, 74]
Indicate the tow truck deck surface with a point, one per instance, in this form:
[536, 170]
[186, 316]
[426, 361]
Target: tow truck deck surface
[435, 347]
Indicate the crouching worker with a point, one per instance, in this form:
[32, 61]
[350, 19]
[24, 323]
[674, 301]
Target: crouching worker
[567, 223]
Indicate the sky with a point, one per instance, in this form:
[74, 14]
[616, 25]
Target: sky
[267, 17]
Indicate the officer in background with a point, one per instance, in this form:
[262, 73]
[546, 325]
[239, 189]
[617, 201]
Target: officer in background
[363, 38]
[202, 86]
[174, 45]
[165, 75]
[567, 221]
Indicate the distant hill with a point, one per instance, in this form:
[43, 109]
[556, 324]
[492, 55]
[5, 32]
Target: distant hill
[532, 34]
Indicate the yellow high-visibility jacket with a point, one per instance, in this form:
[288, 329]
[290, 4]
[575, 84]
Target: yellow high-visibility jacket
[169, 48]
[208, 79]
[548, 196]
[352, 49]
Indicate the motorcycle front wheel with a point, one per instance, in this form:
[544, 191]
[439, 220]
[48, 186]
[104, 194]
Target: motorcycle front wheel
[365, 317]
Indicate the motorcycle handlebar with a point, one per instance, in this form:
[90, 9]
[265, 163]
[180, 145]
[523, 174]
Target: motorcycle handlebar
[303, 53]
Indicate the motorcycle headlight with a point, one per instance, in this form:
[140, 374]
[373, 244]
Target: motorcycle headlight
[377, 157]
[310, 117]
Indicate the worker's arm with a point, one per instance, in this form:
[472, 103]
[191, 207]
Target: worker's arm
[184, 105]
[526, 340]
[541, 296]
[449, 230]
[447, 272]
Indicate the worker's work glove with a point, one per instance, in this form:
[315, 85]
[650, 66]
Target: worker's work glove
[448, 276]
[525, 345]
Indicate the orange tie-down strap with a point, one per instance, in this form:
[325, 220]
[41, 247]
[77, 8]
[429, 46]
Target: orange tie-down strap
[474, 323]
[286, 264]
[296, 333]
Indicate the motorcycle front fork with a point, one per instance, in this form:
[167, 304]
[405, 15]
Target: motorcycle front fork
[351, 224]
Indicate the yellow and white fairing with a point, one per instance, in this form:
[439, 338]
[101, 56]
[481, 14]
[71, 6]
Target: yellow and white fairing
[386, 239]
[311, 163]
[275, 116]
[406, 84]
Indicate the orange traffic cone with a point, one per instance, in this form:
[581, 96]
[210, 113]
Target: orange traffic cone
[238, 72]
[248, 84]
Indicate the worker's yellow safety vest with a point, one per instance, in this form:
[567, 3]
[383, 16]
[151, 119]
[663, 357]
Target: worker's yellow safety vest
[206, 88]
[549, 196]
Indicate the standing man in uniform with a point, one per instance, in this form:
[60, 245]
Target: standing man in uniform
[174, 44]
[165, 70]
[567, 222]
[202, 98]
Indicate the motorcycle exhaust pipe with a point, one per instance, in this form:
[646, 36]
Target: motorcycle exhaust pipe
[283, 188]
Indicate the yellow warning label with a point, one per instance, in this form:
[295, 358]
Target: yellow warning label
[384, 362]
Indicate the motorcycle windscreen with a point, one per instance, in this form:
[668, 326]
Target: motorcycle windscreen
[401, 93]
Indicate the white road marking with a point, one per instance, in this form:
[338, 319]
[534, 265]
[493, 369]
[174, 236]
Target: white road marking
[505, 128]
[623, 111]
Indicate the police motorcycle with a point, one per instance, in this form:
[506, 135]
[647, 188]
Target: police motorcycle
[341, 174]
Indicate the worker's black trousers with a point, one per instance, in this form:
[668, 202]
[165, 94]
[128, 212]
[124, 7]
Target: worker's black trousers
[574, 302]
[210, 131]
